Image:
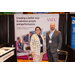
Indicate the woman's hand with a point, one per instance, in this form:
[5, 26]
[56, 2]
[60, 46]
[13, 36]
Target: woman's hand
[32, 54]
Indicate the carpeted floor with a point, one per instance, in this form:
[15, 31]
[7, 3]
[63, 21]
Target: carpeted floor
[22, 60]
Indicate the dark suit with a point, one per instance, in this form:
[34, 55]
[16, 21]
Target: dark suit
[52, 47]
[26, 38]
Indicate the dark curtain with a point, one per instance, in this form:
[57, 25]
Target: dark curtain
[63, 29]
[3, 29]
[7, 21]
[12, 34]
[11, 30]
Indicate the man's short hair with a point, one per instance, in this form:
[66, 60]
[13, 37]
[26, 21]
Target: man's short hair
[31, 32]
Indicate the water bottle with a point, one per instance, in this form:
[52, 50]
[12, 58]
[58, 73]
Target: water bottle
[12, 45]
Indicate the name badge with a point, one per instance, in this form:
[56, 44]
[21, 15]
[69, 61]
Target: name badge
[50, 41]
[41, 45]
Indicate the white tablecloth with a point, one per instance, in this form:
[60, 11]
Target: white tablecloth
[3, 51]
[6, 52]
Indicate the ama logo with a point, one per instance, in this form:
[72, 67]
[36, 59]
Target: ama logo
[73, 21]
[51, 19]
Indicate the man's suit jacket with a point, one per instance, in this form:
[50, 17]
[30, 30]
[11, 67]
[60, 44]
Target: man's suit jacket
[56, 41]
[35, 44]
[19, 47]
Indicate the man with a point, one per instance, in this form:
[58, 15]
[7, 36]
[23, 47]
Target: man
[26, 38]
[53, 43]
[19, 45]
[31, 35]
[37, 45]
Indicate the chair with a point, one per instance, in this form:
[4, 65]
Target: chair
[29, 55]
[61, 52]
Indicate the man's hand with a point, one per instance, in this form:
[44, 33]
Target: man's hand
[45, 50]
[32, 54]
[58, 50]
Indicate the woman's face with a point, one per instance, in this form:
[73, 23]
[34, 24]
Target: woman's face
[38, 31]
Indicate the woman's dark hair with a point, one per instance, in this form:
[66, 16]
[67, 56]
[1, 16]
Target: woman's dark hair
[37, 27]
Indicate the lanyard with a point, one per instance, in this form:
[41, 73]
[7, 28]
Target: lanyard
[40, 39]
[51, 34]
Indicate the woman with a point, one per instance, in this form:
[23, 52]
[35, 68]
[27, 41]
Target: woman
[37, 45]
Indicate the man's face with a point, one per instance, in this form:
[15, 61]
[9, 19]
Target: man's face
[19, 39]
[30, 34]
[52, 26]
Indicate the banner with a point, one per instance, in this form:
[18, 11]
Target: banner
[73, 32]
[25, 27]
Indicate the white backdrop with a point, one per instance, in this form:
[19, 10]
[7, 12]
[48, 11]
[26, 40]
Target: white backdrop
[26, 23]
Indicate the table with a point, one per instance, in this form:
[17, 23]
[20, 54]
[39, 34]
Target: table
[7, 54]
